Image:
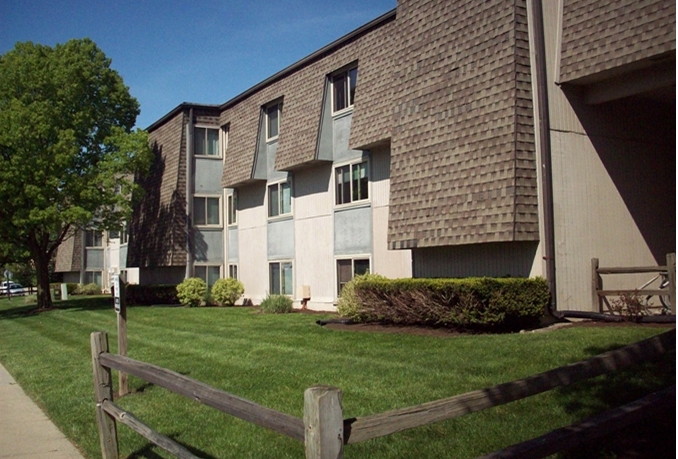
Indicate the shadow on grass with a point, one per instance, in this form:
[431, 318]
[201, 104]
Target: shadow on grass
[83, 303]
[149, 451]
[654, 437]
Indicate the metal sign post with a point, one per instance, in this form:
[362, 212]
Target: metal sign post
[121, 313]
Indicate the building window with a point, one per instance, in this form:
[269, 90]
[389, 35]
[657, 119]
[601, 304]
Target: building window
[280, 278]
[233, 271]
[343, 89]
[206, 211]
[210, 274]
[206, 142]
[93, 238]
[122, 235]
[347, 269]
[273, 115]
[280, 199]
[351, 183]
[232, 208]
[93, 277]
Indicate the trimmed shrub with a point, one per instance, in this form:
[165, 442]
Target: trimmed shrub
[487, 304]
[349, 305]
[89, 289]
[276, 304]
[147, 295]
[225, 292]
[191, 292]
[71, 287]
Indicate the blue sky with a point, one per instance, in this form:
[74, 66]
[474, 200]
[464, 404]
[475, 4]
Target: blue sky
[174, 51]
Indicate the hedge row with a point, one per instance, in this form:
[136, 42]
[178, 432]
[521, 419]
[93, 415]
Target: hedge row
[487, 304]
[147, 295]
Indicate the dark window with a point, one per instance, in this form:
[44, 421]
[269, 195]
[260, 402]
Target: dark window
[347, 269]
[343, 89]
[273, 114]
[351, 183]
[206, 141]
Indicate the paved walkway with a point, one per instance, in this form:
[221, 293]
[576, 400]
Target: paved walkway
[25, 431]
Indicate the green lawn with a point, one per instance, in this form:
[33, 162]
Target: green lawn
[272, 359]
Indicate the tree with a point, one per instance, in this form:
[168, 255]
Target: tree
[68, 151]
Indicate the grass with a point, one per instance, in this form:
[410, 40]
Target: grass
[272, 359]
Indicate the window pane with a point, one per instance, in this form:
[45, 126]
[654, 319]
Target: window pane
[212, 211]
[353, 81]
[272, 117]
[199, 143]
[93, 238]
[360, 267]
[213, 274]
[199, 216]
[274, 278]
[339, 85]
[344, 274]
[287, 287]
[233, 271]
[212, 142]
[201, 272]
[343, 185]
[273, 209]
[231, 209]
[93, 277]
[360, 181]
[285, 198]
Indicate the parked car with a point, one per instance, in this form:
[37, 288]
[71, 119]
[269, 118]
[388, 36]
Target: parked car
[14, 289]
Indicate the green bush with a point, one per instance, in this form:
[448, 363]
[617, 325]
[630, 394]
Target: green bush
[71, 287]
[225, 292]
[488, 304]
[276, 304]
[89, 289]
[147, 295]
[349, 304]
[191, 292]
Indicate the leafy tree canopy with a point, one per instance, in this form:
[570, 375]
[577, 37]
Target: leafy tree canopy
[68, 152]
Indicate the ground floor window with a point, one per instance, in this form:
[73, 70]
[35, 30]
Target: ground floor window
[93, 277]
[348, 268]
[210, 274]
[233, 271]
[280, 278]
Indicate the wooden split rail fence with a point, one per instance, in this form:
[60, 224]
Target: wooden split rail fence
[600, 293]
[324, 431]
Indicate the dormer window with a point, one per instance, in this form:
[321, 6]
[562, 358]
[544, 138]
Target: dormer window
[343, 89]
[206, 142]
[273, 115]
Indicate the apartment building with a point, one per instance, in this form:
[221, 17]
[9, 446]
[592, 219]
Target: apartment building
[443, 139]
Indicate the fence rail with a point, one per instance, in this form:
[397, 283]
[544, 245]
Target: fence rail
[324, 430]
[600, 294]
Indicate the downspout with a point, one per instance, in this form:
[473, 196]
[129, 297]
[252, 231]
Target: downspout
[189, 193]
[536, 28]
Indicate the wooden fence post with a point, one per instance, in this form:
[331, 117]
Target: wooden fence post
[596, 282]
[324, 423]
[671, 268]
[103, 390]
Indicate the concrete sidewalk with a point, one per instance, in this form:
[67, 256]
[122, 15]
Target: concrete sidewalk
[25, 431]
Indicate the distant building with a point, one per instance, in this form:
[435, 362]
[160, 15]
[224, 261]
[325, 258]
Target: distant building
[443, 139]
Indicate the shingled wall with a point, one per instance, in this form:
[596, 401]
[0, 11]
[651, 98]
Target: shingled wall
[302, 94]
[463, 157]
[159, 223]
[599, 36]
[69, 256]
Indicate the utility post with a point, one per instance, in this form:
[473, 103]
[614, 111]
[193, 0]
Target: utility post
[120, 306]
